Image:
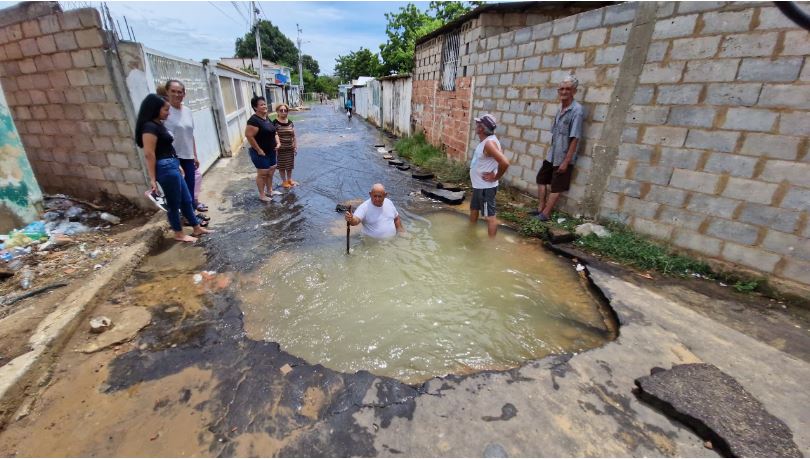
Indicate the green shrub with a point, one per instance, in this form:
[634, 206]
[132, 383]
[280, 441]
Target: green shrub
[419, 152]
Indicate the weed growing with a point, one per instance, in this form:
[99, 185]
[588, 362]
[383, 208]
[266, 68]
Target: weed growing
[419, 152]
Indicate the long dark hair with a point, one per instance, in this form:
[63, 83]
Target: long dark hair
[150, 109]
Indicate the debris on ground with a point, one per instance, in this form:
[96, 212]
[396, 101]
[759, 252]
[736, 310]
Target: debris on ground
[128, 324]
[592, 228]
[100, 324]
[71, 238]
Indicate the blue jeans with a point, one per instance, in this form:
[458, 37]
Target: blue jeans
[189, 169]
[178, 198]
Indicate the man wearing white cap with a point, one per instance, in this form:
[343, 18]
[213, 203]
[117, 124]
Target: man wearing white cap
[487, 167]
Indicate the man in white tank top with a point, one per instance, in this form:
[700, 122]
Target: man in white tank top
[487, 166]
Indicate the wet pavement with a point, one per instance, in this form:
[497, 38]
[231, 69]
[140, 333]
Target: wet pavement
[193, 383]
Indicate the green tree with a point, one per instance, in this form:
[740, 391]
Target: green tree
[276, 47]
[357, 63]
[309, 80]
[327, 84]
[309, 63]
[450, 11]
[410, 23]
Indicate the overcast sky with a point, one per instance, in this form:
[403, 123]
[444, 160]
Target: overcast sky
[198, 30]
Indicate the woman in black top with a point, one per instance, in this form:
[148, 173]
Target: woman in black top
[263, 139]
[163, 166]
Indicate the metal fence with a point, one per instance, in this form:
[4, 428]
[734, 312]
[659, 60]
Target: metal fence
[449, 65]
[163, 67]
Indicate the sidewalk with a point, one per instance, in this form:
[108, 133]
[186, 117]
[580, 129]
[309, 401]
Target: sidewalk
[48, 336]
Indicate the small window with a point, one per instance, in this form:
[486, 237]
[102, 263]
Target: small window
[240, 96]
[228, 99]
[449, 66]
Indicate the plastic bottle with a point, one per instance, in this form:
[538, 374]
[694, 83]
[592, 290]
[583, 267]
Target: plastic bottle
[27, 276]
[110, 218]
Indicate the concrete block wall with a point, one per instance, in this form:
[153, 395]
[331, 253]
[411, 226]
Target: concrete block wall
[58, 83]
[698, 116]
[444, 116]
[714, 155]
[517, 77]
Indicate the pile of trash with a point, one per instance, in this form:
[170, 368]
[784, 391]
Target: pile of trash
[62, 222]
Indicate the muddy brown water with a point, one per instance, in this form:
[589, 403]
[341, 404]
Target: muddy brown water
[441, 300]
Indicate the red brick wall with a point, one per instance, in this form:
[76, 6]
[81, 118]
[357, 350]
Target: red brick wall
[444, 116]
[61, 95]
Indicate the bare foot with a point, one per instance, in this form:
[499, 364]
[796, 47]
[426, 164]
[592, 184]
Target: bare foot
[200, 231]
[185, 238]
[265, 199]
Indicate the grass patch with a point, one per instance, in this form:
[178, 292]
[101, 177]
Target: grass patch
[419, 152]
[623, 245]
[628, 247]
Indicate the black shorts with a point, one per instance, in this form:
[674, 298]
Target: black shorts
[262, 162]
[549, 175]
[483, 199]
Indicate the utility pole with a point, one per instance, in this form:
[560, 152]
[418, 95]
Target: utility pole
[300, 64]
[258, 46]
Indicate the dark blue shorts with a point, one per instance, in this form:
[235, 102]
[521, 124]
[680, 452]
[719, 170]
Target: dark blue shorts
[262, 162]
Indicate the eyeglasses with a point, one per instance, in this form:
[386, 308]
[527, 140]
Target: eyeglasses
[282, 111]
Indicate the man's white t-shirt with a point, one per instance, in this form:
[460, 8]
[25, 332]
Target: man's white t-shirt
[181, 124]
[378, 222]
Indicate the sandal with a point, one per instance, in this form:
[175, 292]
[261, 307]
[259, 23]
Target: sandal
[203, 217]
[202, 207]
[200, 222]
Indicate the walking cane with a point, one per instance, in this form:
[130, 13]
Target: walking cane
[348, 231]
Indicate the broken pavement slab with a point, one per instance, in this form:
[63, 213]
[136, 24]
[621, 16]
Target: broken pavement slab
[125, 327]
[719, 409]
[559, 236]
[449, 197]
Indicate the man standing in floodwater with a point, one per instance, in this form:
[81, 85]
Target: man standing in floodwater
[379, 216]
[554, 176]
[487, 167]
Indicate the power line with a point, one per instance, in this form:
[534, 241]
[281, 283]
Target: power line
[267, 18]
[225, 14]
[236, 7]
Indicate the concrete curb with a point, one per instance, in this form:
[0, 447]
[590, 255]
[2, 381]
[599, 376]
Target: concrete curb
[18, 376]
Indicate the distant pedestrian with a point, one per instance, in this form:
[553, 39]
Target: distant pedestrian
[181, 125]
[487, 167]
[264, 142]
[348, 106]
[554, 176]
[378, 215]
[288, 147]
[163, 166]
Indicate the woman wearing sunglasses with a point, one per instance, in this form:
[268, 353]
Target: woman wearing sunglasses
[288, 147]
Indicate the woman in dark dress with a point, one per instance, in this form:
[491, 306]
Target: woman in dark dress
[264, 142]
[163, 166]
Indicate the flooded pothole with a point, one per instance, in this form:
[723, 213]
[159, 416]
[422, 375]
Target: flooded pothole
[442, 299]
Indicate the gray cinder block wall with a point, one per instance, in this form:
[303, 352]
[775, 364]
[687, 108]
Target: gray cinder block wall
[698, 116]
